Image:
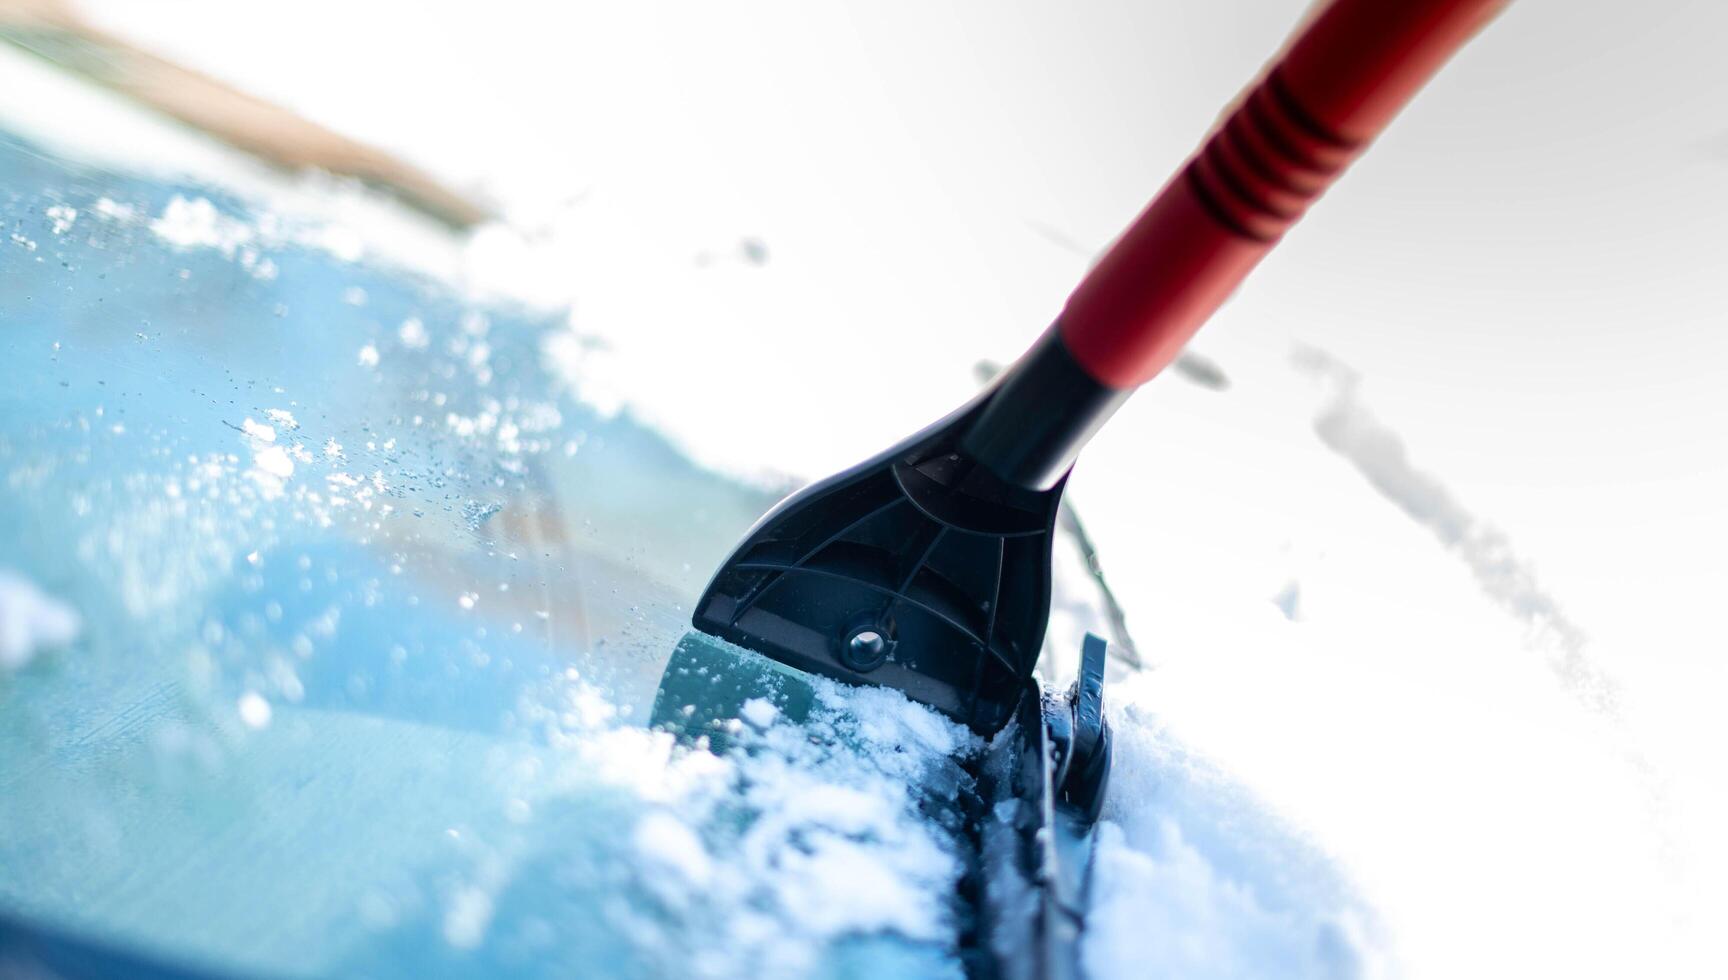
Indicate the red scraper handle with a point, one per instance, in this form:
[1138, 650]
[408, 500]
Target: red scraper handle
[1336, 86]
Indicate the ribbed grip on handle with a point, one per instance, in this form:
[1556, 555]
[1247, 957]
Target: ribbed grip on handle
[1261, 169]
[1342, 78]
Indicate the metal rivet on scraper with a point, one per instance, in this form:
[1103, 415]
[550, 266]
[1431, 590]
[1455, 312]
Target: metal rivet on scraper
[865, 650]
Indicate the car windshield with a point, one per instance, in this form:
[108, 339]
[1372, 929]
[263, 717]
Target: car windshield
[335, 617]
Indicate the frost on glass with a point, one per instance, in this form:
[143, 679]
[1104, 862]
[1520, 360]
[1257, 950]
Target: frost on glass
[334, 616]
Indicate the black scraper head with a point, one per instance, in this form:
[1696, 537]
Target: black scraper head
[927, 568]
[918, 570]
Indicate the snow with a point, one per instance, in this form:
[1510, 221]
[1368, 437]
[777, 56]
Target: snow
[759, 712]
[1345, 722]
[1347, 427]
[466, 917]
[254, 710]
[281, 417]
[800, 836]
[1417, 721]
[195, 223]
[257, 432]
[112, 210]
[31, 621]
[412, 333]
[272, 464]
[1193, 877]
[670, 844]
[63, 217]
[1375, 733]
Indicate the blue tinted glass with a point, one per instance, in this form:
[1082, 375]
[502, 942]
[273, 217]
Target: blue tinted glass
[371, 608]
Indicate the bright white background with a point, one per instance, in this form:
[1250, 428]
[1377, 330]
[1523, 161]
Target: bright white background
[1528, 272]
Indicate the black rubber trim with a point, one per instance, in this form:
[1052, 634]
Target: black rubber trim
[1042, 412]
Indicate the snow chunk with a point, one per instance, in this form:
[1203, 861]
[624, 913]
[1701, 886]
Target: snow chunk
[109, 209]
[197, 224]
[669, 844]
[62, 216]
[412, 333]
[275, 462]
[368, 356]
[272, 464]
[283, 418]
[31, 621]
[759, 712]
[257, 432]
[254, 710]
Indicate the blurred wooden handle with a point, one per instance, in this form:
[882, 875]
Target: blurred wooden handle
[51, 30]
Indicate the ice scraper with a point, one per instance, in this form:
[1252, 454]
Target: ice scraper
[927, 567]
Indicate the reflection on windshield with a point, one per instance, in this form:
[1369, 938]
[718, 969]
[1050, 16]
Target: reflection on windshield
[369, 611]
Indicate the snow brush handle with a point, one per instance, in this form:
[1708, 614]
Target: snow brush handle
[1338, 83]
